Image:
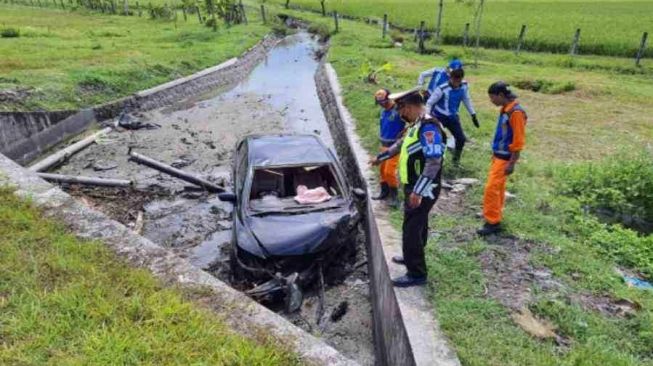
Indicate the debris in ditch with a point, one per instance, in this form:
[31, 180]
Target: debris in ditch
[164, 168]
[62, 155]
[138, 226]
[99, 167]
[91, 181]
[339, 311]
[319, 314]
[129, 122]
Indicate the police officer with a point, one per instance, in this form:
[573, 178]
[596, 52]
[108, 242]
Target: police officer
[391, 127]
[420, 169]
[444, 103]
[438, 75]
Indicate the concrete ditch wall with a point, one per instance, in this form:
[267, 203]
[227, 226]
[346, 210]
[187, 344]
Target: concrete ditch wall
[405, 329]
[240, 312]
[26, 135]
[391, 340]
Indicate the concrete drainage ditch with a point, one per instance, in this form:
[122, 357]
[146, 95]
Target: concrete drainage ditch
[290, 91]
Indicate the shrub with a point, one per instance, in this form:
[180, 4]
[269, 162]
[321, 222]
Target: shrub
[545, 86]
[320, 29]
[397, 36]
[621, 186]
[10, 33]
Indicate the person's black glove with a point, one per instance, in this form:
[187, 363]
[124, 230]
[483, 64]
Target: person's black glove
[475, 121]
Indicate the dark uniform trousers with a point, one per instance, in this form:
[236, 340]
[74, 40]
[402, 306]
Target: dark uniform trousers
[416, 232]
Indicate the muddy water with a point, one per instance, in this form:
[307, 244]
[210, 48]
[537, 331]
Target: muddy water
[199, 135]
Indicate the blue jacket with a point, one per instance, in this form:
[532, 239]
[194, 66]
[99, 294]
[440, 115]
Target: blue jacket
[438, 76]
[391, 126]
[445, 100]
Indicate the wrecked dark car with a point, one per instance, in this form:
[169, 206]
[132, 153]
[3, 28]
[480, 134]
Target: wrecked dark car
[295, 215]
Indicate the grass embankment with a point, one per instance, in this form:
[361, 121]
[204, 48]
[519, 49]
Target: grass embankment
[604, 117]
[77, 59]
[68, 302]
[612, 27]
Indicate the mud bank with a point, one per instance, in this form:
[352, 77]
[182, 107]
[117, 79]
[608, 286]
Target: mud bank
[26, 135]
[198, 134]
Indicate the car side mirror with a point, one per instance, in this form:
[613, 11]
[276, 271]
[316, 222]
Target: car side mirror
[227, 197]
[359, 193]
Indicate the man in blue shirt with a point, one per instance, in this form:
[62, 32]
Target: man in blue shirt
[444, 104]
[391, 126]
[438, 75]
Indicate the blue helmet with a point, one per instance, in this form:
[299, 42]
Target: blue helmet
[455, 64]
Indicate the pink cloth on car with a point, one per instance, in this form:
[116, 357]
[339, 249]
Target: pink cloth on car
[315, 195]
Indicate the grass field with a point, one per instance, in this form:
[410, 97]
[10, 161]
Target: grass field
[606, 116]
[67, 302]
[608, 27]
[77, 59]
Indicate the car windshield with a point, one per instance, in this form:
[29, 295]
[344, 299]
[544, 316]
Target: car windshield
[294, 189]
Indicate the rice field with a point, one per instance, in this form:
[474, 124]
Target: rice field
[608, 27]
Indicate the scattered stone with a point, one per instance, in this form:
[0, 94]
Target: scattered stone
[458, 188]
[466, 181]
[510, 196]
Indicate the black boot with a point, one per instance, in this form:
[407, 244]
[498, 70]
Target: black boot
[489, 229]
[456, 157]
[385, 191]
[393, 197]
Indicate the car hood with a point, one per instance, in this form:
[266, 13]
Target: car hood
[299, 234]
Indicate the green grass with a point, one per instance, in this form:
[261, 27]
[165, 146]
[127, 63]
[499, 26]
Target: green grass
[68, 302]
[77, 59]
[607, 111]
[612, 27]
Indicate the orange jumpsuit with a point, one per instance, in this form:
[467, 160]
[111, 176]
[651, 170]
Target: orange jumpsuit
[510, 137]
[388, 170]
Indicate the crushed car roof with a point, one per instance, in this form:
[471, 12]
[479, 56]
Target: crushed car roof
[274, 150]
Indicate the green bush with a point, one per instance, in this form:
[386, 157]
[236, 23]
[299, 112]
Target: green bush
[626, 247]
[320, 29]
[9, 33]
[622, 186]
[545, 86]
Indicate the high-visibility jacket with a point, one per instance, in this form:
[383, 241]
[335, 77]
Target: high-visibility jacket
[510, 134]
[421, 141]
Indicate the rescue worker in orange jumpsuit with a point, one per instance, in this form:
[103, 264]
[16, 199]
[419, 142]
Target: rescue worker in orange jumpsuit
[391, 128]
[509, 140]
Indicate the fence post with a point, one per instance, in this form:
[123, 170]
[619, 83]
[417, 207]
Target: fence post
[642, 46]
[323, 8]
[385, 25]
[126, 7]
[287, 4]
[183, 11]
[335, 19]
[263, 14]
[439, 24]
[574, 44]
[138, 9]
[199, 14]
[520, 40]
[466, 35]
[421, 37]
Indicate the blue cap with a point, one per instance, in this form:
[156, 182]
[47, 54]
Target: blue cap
[455, 64]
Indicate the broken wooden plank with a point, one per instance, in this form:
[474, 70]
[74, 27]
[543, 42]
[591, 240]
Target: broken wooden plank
[89, 181]
[165, 168]
[63, 155]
